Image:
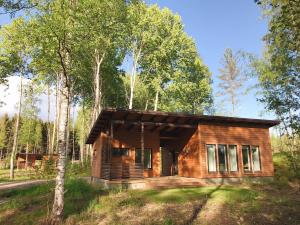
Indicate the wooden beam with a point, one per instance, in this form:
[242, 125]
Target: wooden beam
[188, 126]
[142, 146]
[169, 138]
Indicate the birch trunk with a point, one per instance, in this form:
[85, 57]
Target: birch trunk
[48, 123]
[26, 160]
[56, 116]
[15, 144]
[73, 133]
[68, 134]
[58, 205]
[136, 57]
[97, 85]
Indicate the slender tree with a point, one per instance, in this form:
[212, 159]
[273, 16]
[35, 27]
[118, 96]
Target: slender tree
[231, 78]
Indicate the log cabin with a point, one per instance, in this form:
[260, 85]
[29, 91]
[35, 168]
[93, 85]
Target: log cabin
[131, 145]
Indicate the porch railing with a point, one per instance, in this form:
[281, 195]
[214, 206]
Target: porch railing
[111, 171]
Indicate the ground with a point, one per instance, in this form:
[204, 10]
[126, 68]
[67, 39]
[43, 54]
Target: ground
[267, 203]
[276, 202]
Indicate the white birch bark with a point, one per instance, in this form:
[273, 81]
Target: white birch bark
[97, 85]
[58, 205]
[136, 57]
[15, 144]
[48, 122]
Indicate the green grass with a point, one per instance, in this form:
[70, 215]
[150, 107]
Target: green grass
[32, 204]
[276, 202]
[89, 204]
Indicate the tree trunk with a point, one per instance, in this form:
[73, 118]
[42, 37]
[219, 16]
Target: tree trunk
[156, 101]
[133, 76]
[68, 134]
[15, 144]
[73, 133]
[58, 205]
[48, 122]
[26, 160]
[58, 109]
[97, 85]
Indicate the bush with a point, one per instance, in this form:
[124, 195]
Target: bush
[49, 168]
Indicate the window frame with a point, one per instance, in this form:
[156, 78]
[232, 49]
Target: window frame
[145, 149]
[226, 159]
[250, 160]
[120, 152]
[215, 157]
[236, 158]
[259, 159]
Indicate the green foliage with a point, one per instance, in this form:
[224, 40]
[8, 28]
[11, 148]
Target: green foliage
[48, 168]
[279, 71]
[4, 132]
[78, 169]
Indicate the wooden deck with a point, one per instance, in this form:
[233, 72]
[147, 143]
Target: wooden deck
[153, 183]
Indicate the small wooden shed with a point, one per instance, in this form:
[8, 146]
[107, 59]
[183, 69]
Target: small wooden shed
[130, 144]
[32, 157]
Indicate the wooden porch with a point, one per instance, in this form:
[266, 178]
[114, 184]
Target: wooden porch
[153, 182]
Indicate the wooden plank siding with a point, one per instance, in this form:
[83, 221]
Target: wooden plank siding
[190, 144]
[234, 135]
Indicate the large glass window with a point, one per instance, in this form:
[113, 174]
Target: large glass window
[246, 158]
[233, 158]
[117, 152]
[211, 158]
[255, 158]
[147, 157]
[222, 152]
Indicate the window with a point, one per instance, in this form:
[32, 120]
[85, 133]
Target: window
[255, 158]
[222, 152]
[246, 158]
[117, 152]
[138, 155]
[147, 157]
[232, 155]
[211, 158]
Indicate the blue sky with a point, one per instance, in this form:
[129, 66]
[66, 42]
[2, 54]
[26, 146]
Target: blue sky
[216, 25]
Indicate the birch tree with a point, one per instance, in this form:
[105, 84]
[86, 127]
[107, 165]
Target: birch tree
[101, 30]
[231, 78]
[15, 62]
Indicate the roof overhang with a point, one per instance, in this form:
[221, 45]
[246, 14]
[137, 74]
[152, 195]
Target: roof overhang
[165, 120]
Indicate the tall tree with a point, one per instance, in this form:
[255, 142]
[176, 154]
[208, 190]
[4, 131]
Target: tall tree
[279, 69]
[29, 116]
[15, 62]
[231, 78]
[101, 30]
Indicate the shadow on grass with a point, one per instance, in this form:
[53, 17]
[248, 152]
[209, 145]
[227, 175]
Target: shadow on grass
[32, 205]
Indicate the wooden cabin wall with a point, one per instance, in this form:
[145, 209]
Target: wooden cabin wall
[188, 147]
[97, 155]
[236, 135]
[124, 138]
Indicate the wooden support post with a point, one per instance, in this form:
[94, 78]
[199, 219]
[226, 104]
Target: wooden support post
[142, 147]
[111, 138]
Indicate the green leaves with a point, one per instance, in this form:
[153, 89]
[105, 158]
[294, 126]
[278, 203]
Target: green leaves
[279, 71]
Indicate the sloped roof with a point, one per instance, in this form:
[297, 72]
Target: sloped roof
[155, 119]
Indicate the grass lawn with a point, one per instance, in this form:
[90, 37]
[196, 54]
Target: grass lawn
[89, 204]
[20, 175]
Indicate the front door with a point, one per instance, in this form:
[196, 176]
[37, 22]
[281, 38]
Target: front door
[169, 162]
